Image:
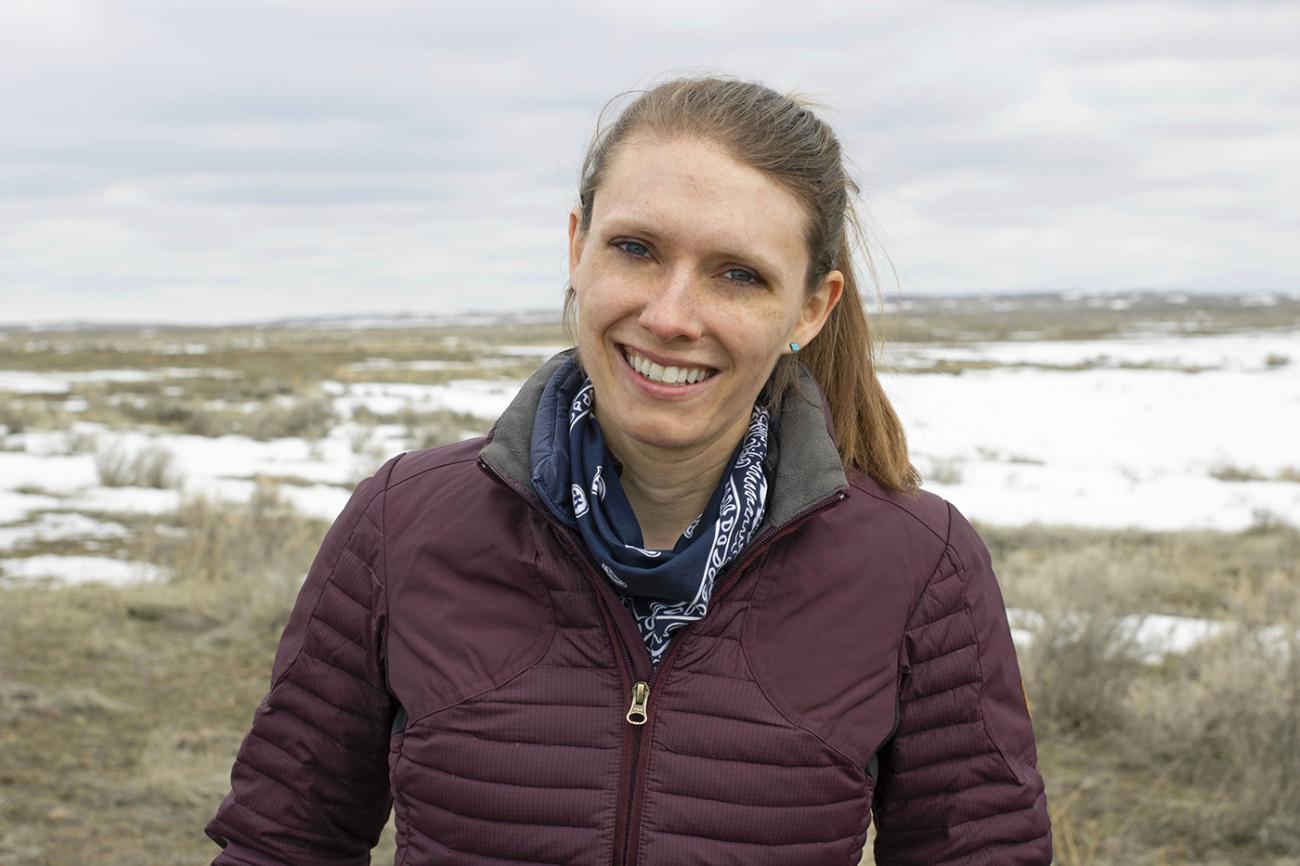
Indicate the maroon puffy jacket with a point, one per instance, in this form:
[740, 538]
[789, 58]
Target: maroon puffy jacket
[454, 655]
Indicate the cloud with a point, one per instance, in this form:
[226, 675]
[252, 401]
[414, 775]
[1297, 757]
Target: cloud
[213, 161]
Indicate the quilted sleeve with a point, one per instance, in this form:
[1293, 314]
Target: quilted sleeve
[310, 781]
[959, 782]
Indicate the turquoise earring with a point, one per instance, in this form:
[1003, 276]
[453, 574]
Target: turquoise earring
[794, 347]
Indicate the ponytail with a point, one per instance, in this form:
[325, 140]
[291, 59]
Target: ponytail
[868, 432]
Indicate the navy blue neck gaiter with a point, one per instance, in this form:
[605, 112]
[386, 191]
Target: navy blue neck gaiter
[577, 477]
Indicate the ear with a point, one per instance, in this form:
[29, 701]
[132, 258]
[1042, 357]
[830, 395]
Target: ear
[817, 308]
[576, 237]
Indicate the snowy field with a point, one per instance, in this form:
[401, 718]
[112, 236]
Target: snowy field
[1158, 431]
[1153, 432]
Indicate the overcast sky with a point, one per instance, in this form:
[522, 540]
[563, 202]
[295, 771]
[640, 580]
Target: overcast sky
[228, 161]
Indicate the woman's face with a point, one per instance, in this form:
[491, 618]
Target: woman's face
[694, 263]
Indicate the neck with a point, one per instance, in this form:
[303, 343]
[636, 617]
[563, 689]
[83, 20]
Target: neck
[669, 487]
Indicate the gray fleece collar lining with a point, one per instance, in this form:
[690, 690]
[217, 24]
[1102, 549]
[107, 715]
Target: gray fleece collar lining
[808, 468]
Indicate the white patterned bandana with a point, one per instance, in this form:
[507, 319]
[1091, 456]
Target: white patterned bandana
[577, 477]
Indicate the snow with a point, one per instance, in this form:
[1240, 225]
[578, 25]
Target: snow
[1241, 351]
[486, 398]
[58, 526]
[321, 501]
[15, 506]
[20, 382]
[1156, 634]
[26, 382]
[1112, 447]
[537, 350]
[370, 364]
[125, 500]
[68, 570]
[57, 473]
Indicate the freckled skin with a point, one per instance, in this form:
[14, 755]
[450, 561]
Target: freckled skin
[700, 220]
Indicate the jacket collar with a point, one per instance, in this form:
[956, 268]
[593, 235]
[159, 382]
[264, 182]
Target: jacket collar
[807, 471]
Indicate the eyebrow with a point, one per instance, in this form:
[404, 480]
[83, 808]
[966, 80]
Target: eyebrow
[617, 224]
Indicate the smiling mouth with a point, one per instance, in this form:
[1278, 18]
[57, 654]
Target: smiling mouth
[665, 375]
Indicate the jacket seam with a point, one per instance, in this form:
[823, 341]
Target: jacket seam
[907, 623]
[383, 581]
[403, 839]
[495, 686]
[427, 469]
[938, 565]
[1030, 808]
[333, 570]
[311, 849]
[965, 858]
[858, 486]
[979, 667]
[762, 689]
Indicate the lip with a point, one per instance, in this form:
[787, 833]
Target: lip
[656, 389]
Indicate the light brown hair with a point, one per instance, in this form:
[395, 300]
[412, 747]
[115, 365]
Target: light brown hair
[780, 136]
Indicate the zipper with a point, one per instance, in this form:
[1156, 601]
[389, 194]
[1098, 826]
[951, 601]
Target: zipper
[632, 734]
[732, 573]
[638, 713]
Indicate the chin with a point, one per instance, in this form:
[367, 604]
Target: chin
[660, 433]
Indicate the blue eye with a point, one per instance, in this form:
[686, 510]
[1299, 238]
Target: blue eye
[740, 275]
[633, 248]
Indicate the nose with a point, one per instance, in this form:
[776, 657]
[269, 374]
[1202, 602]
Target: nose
[672, 309]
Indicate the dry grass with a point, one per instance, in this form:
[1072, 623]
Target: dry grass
[1274, 360]
[254, 554]
[308, 416]
[945, 470]
[121, 708]
[152, 466]
[430, 429]
[1084, 655]
[1195, 759]
[1225, 722]
[1233, 472]
[19, 414]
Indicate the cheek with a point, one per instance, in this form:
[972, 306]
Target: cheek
[761, 326]
[604, 299]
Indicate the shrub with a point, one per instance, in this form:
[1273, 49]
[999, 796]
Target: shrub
[1227, 725]
[14, 416]
[223, 542]
[154, 409]
[1083, 654]
[439, 426]
[82, 441]
[307, 418]
[153, 466]
[18, 415]
[1232, 472]
[252, 555]
[1275, 359]
[945, 470]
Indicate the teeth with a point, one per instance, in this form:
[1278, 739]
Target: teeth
[666, 375]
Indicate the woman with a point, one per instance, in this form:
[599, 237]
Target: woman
[685, 603]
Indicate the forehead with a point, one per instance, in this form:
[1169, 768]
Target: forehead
[694, 191]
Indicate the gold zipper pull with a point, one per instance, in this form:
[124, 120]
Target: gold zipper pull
[640, 694]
